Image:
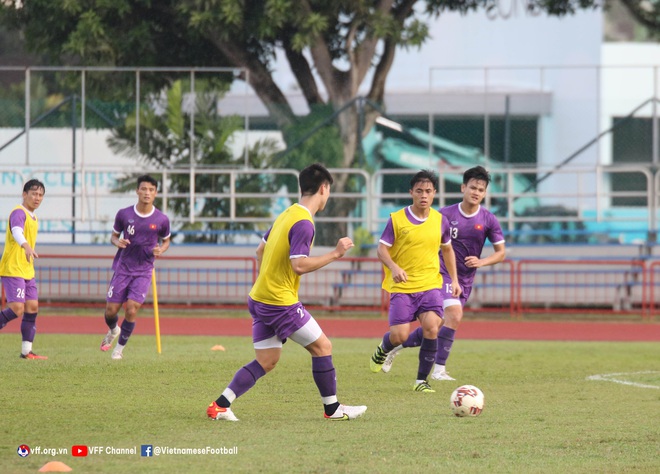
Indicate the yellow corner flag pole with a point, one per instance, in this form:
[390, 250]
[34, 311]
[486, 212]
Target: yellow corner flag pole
[156, 321]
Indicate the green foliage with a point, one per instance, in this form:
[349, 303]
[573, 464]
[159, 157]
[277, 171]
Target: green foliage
[541, 414]
[111, 33]
[312, 141]
[165, 142]
[344, 38]
[362, 239]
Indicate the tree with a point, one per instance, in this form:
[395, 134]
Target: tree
[332, 46]
[329, 44]
[647, 13]
[166, 143]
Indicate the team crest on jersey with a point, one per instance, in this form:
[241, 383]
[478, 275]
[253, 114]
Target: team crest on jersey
[130, 221]
[152, 226]
[454, 222]
[479, 227]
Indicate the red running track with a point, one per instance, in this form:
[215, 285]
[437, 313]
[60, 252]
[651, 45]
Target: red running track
[368, 328]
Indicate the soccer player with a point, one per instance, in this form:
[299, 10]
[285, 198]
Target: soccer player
[141, 233]
[470, 226]
[277, 314]
[408, 249]
[17, 266]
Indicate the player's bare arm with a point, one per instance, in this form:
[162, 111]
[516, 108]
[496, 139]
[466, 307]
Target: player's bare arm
[494, 258]
[162, 248]
[399, 275]
[30, 254]
[449, 257]
[309, 264]
[260, 254]
[119, 242]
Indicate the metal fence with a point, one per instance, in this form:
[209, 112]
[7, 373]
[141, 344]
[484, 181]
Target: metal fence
[514, 289]
[573, 151]
[79, 99]
[570, 215]
[582, 210]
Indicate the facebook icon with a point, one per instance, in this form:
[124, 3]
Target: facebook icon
[147, 450]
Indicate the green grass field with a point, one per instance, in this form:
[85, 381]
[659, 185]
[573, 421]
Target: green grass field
[541, 413]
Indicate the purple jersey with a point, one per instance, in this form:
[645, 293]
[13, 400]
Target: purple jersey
[301, 237]
[17, 219]
[468, 236]
[144, 233]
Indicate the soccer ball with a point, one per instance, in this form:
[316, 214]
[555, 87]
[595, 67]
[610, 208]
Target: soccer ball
[467, 400]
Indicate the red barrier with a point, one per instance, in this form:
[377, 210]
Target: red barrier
[354, 284]
[570, 286]
[654, 269]
[219, 282]
[350, 284]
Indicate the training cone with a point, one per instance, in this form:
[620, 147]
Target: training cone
[55, 466]
[218, 347]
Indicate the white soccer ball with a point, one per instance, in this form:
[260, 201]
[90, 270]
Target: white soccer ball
[467, 400]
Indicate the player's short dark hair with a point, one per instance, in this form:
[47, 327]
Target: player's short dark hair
[34, 184]
[312, 178]
[479, 173]
[425, 175]
[145, 178]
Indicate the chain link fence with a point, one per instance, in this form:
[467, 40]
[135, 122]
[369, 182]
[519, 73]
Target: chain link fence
[573, 151]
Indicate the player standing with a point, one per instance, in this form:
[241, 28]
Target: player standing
[17, 266]
[470, 224]
[141, 233]
[277, 314]
[408, 249]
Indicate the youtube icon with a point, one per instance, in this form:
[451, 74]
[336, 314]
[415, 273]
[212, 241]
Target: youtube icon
[79, 450]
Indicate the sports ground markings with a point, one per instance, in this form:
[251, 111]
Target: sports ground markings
[622, 381]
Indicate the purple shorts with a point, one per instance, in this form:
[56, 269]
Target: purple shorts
[449, 300]
[18, 290]
[280, 321]
[406, 307]
[125, 287]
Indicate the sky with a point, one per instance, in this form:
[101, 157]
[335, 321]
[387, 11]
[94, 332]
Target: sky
[479, 40]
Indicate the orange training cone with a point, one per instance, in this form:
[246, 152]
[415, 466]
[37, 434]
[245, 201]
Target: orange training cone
[55, 466]
[218, 347]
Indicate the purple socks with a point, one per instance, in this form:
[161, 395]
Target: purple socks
[245, 378]
[111, 322]
[445, 341]
[126, 331]
[28, 326]
[324, 375]
[6, 315]
[426, 357]
[415, 338]
[387, 345]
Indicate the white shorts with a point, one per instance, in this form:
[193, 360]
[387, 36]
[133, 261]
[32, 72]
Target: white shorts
[450, 302]
[304, 336]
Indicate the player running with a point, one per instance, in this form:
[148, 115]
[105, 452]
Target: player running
[408, 249]
[470, 226]
[141, 233]
[277, 314]
[17, 266]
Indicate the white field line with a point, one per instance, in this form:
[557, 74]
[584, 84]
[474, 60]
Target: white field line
[611, 378]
